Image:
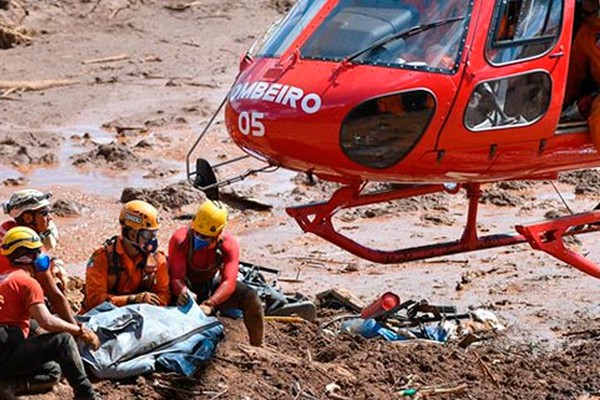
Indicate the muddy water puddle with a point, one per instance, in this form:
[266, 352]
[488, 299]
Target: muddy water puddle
[90, 179]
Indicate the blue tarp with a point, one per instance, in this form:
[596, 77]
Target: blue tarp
[136, 337]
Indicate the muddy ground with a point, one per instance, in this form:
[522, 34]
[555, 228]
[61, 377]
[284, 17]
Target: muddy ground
[133, 84]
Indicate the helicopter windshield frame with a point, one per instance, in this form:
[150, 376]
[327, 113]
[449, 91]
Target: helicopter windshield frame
[353, 25]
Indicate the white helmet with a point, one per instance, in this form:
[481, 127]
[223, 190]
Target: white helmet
[26, 200]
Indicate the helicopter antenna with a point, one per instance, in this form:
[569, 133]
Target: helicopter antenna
[562, 198]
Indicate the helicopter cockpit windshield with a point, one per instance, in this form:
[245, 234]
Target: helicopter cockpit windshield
[353, 26]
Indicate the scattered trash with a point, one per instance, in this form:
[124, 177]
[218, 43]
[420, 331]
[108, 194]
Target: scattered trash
[340, 298]
[393, 320]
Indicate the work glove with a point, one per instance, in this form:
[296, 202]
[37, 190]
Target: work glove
[207, 309]
[144, 297]
[184, 297]
[88, 337]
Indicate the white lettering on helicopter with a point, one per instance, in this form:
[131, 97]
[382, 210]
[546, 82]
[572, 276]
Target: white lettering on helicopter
[285, 95]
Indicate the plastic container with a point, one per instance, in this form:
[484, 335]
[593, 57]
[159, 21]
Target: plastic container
[367, 328]
[385, 303]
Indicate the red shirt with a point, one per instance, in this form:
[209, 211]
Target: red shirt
[20, 292]
[202, 266]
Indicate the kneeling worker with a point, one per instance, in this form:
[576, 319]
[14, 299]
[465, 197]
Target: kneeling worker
[128, 269]
[197, 253]
[22, 356]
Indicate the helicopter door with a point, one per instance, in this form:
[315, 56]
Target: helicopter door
[513, 86]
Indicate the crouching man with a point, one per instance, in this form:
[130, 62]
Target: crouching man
[197, 253]
[128, 269]
[21, 357]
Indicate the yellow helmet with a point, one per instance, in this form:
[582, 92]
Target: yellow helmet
[20, 236]
[210, 218]
[138, 214]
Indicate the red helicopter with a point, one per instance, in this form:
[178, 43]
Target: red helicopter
[433, 95]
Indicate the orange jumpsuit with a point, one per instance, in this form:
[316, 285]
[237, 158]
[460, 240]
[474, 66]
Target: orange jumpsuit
[585, 63]
[135, 276]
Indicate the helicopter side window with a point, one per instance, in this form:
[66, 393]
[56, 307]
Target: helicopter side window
[508, 102]
[523, 29]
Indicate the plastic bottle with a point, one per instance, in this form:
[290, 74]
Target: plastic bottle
[386, 302]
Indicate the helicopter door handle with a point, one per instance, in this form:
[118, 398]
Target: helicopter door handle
[557, 55]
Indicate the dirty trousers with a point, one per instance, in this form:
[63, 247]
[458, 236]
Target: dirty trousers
[25, 357]
[243, 298]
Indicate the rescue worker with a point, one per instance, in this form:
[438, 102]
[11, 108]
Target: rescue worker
[585, 65]
[31, 208]
[22, 357]
[129, 269]
[197, 253]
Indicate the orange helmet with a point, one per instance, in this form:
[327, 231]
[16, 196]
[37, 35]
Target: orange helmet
[138, 214]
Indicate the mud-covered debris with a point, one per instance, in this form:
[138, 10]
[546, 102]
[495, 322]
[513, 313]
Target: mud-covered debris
[20, 181]
[10, 36]
[74, 292]
[553, 214]
[29, 148]
[501, 198]
[282, 6]
[68, 208]
[157, 173]
[170, 197]
[436, 219]
[585, 181]
[130, 131]
[110, 153]
[517, 185]
[143, 144]
[125, 124]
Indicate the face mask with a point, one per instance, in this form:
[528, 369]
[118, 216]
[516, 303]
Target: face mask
[199, 243]
[147, 241]
[50, 237]
[150, 246]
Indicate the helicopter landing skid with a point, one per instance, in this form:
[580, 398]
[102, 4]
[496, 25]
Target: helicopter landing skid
[546, 236]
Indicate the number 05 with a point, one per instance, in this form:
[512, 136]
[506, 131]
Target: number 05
[250, 123]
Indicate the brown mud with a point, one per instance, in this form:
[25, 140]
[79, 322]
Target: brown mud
[139, 80]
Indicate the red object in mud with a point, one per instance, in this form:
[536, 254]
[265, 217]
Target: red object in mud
[385, 303]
